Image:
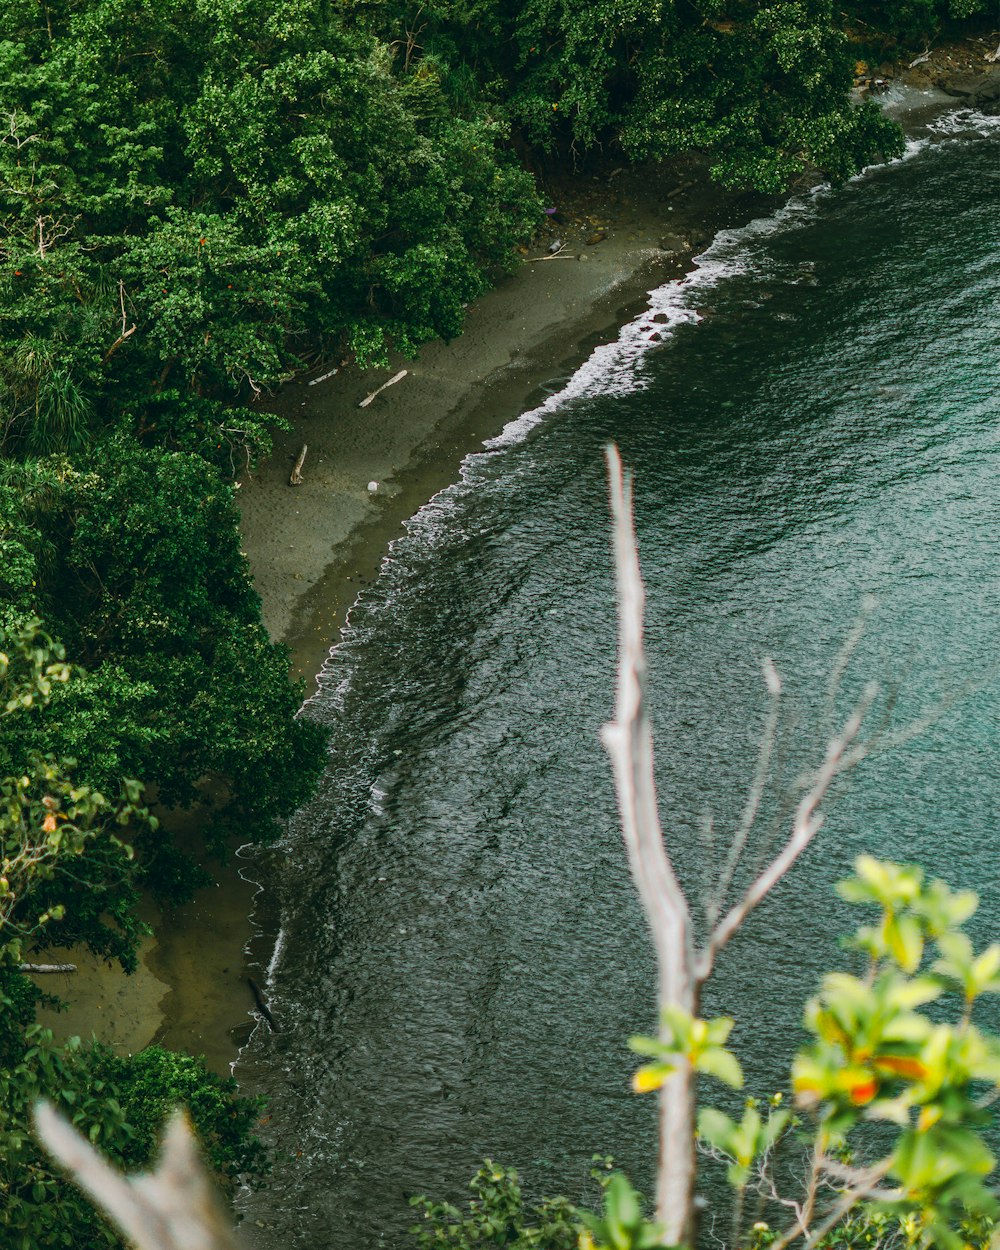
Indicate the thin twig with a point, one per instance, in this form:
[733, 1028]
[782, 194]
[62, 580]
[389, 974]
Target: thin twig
[841, 1209]
[755, 794]
[842, 753]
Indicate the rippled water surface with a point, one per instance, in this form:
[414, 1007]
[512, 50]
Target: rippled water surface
[812, 416]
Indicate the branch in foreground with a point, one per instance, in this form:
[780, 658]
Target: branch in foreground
[842, 754]
[628, 740]
[176, 1207]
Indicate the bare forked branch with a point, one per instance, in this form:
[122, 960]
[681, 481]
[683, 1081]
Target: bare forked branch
[123, 334]
[843, 753]
[865, 1189]
[846, 653]
[755, 794]
[174, 1208]
[629, 742]
[14, 137]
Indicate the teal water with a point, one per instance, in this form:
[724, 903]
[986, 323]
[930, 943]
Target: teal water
[812, 417]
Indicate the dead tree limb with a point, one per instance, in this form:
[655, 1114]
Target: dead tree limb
[396, 377]
[681, 970]
[38, 969]
[118, 342]
[842, 753]
[628, 740]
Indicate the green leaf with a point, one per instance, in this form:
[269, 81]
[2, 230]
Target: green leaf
[716, 1128]
[905, 941]
[721, 1064]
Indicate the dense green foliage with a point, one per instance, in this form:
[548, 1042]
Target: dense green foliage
[151, 1084]
[120, 1104]
[498, 1215]
[239, 181]
[761, 86]
[135, 563]
[195, 196]
[65, 873]
[39, 1209]
[146, 585]
[191, 197]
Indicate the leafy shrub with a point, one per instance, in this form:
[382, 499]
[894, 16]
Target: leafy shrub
[152, 1083]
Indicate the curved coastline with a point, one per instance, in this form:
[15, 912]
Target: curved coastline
[312, 549]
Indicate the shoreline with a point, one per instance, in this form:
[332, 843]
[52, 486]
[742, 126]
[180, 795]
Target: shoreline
[313, 548]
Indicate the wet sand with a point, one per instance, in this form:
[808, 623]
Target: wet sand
[189, 991]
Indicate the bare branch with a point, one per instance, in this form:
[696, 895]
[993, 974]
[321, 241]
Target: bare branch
[174, 1208]
[842, 753]
[296, 478]
[755, 794]
[396, 377]
[628, 740]
[844, 656]
[14, 137]
[118, 342]
[865, 1189]
[49, 230]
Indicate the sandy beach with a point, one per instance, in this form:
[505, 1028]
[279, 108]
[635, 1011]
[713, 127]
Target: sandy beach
[312, 547]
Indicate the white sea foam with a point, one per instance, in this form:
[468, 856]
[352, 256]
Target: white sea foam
[617, 368]
[376, 798]
[963, 123]
[275, 960]
[614, 368]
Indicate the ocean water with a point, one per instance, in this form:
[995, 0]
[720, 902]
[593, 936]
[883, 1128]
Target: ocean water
[812, 417]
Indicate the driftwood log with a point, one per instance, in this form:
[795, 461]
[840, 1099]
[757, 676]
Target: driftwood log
[37, 968]
[324, 376]
[296, 478]
[397, 377]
